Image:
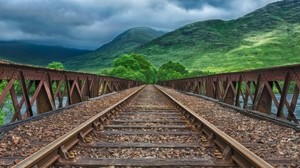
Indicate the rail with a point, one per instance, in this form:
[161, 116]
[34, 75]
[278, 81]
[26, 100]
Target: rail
[33, 90]
[232, 153]
[256, 90]
[49, 154]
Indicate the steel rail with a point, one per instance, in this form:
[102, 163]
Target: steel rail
[233, 152]
[46, 156]
[231, 148]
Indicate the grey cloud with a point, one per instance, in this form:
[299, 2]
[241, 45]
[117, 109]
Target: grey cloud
[91, 23]
[198, 4]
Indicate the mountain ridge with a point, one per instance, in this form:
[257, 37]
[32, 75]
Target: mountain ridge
[258, 39]
[122, 43]
[269, 36]
[36, 54]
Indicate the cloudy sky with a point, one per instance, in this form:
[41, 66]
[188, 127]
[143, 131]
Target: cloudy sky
[88, 24]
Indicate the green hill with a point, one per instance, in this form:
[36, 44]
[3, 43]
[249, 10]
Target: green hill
[123, 43]
[34, 54]
[269, 36]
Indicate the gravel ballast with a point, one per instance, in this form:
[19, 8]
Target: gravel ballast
[266, 139]
[26, 139]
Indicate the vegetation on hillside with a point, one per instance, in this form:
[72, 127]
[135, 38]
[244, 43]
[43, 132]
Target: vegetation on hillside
[103, 57]
[55, 65]
[171, 70]
[134, 67]
[267, 37]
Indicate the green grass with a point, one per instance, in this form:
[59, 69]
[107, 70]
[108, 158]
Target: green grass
[103, 56]
[267, 37]
[257, 50]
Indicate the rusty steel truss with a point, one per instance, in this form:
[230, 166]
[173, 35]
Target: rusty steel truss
[256, 90]
[27, 86]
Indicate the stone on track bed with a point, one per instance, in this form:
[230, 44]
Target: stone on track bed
[266, 139]
[28, 138]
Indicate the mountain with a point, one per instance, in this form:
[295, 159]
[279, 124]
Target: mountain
[35, 54]
[269, 36]
[123, 43]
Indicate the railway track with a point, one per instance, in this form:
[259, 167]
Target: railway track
[147, 128]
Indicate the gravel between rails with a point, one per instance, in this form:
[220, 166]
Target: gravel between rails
[138, 153]
[154, 101]
[266, 139]
[148, 138]
[28, 138]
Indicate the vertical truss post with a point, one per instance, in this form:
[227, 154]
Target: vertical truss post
[42, 101]
[50, 86]
[68, 90]
[238, 93]
[247, 94]
[264, 104]
[230, 94]
[75, 95]
[25, 93]
[85, 89]
[284, 93]
[209, 87]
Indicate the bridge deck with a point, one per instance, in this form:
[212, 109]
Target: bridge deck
[276, 144]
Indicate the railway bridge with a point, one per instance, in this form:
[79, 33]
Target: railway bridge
[71, 119]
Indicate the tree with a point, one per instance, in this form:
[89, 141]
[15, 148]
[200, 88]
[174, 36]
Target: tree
[171, 70]
[56, 65]
[134, 67]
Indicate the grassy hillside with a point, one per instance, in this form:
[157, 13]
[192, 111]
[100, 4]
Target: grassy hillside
[266, 37]
[269, 36]
[123, 43]
[35, 54]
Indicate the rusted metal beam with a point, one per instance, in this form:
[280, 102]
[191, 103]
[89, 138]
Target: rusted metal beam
[254, 88]
[52, 85]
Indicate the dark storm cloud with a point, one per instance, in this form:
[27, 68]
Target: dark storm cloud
[91, 23]
[198, 4]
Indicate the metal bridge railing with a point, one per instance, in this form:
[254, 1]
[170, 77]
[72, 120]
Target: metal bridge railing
[28, 87]
[272, 91]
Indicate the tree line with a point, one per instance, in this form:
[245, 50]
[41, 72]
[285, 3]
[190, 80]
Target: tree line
[136, 67]
[128, 66]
